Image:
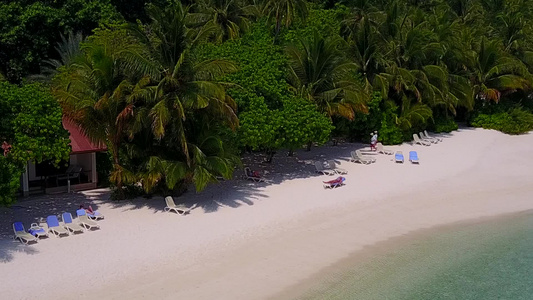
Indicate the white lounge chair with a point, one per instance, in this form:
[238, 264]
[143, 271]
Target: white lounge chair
[333, 166]
[425, 138]
[85, 221]
[417, 140]
[319, 166]
[171, 206]
[94, 215]
[380, 149]
[427, 135]
[360, 154]
[355, 158]
[22, 235]
[249, 175]
[69, 223]
[55, 228]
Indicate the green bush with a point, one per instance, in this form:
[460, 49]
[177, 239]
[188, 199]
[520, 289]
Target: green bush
[514, 121]
[444, 124]
[390, 133]
[10, 173]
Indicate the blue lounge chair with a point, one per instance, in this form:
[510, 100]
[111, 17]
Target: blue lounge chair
[413, 157]
[54, 227]
[22, 235]
[398, 157]
[69, 224]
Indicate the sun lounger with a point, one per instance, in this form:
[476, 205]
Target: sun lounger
[398, 157]
[37, 230]
[85, 221]
[22, 235]
[69, 224]
[55, 228]
[356, 158]
[413, 157]
[249, 175]
[427, 135]
[367, 157]
[94, 215]
[171, 206]
[333, 166]
[425, 138]
[380, 149]
[417, 140]
[319, 166]
[339, 181]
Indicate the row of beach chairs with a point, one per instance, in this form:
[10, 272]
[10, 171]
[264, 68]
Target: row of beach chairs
[330, 168]
[84, 221]
[423, 138]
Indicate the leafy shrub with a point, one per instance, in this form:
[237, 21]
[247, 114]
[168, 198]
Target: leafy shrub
[31, 124]
[9, 180]
[270, 115]
[363, 124]
[444, 124]
[390, 133]
[325, 22]
[515, 121]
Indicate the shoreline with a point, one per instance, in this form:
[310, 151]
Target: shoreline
[335, 273]
[254, 241]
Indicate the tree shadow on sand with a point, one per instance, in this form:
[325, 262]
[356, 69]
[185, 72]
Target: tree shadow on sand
[36, 208]
[230, 193]
[9, 247]
[239, 191]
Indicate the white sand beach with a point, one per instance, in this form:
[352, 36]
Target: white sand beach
[245, 240]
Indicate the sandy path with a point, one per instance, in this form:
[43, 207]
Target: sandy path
[267, 238]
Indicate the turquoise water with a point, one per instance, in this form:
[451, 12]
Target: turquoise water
[487, 260]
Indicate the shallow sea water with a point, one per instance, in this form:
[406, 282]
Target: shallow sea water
[490, 259]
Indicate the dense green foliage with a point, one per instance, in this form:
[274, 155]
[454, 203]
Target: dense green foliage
[511, 119]
[31, 28]
[31, 124]
[177, 88]
[271, 117]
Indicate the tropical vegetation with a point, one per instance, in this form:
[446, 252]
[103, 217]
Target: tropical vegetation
[177, 90]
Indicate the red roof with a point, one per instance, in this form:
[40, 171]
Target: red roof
[79, 142]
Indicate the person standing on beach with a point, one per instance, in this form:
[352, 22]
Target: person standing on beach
[374, 141]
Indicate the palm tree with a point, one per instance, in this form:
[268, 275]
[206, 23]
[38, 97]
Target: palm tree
[225, 19]
[320, 73]
[95, 95]
[493, 72]
[184, 92]
[363, 48]
[283, 12]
